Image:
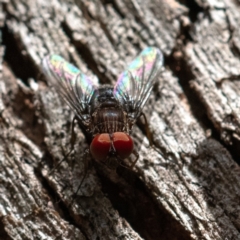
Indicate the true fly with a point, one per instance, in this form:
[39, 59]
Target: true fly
[108, 113]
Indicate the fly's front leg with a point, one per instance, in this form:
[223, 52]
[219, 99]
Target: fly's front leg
[72, 142]
[86, 167]
[135, 153]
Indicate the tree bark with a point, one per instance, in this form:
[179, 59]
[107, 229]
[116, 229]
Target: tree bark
[185, 187]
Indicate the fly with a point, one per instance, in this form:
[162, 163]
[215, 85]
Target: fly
[108, 113]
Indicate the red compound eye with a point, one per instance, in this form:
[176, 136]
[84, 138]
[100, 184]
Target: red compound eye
[123, 144]
[100, 146]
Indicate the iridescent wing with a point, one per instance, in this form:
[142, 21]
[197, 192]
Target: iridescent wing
[73, 86]
[134, 85]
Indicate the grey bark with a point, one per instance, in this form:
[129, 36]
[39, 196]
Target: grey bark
[187, 186]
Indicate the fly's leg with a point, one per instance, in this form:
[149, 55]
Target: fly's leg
[135, 161]
[86, 167]
[149, 137]
[72, 142]
[148, 133]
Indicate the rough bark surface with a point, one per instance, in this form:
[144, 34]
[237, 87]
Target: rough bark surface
[187, 186]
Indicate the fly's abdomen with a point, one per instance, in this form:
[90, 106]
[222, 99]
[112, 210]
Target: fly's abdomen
[109, 120]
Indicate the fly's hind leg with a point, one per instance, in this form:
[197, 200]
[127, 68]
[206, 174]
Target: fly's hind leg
[148, 133]
[72, 142]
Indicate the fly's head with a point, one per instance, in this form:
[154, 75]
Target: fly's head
[118, 145]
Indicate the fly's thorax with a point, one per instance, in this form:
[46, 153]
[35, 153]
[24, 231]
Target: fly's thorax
[109, 120]
[102, 95]
[107, 115]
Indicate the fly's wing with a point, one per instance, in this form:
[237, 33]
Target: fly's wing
[134, 85]
[73, 86]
